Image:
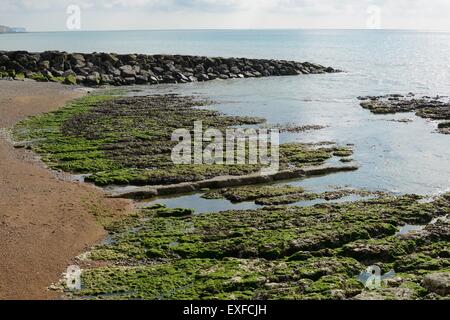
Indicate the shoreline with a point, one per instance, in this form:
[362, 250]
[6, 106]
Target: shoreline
[44, 221]
[155, 240]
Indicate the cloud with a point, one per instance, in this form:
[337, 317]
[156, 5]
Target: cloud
[398, 6]
[104, 14]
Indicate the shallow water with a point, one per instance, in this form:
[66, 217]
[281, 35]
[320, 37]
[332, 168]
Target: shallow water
[410, 228]
[200, 205]
[396, 157]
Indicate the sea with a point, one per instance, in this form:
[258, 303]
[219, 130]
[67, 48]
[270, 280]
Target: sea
[398, 157]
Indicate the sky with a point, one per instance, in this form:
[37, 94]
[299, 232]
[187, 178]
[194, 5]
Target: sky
[53, 15]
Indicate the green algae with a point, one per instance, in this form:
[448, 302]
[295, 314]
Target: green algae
[250, 193]
[70, 80]
[39, 77]
[271, 253]
[229, 278]
[19, 76]
[122, 140]
[282, 195]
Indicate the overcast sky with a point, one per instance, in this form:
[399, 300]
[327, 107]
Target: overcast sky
[51, 15]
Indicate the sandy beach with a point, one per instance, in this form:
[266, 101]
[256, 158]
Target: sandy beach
[45, 220]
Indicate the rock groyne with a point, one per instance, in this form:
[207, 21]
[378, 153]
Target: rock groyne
[127, 69]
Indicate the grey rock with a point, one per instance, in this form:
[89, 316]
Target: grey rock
[209, 62]
[110, 57]
[140, 79]
[387, 294]
[44, 64]
[202, 77]
[46, 73]
[153, 80]
[57, 73]
[181, 77]
[199, 69]
[127, 71]
[130, 80]
[80, 79]
[93, 79]
[438, 283]
[169, 79]
[4, 58]
[118, 81]
[235, 70]
[158, 70]
[107, 79]
[69, 73]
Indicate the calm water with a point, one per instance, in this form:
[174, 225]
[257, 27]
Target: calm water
[397, 157]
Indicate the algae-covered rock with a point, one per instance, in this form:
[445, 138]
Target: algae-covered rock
[434, 108]
[275, 253]
[437, 283]
[70, 79]
[122, 140]
[166, 212]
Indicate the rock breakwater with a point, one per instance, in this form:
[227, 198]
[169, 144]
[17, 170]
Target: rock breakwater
[126, 69]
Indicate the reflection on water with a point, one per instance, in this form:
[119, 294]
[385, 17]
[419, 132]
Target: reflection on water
[200, 205]
[394, 156]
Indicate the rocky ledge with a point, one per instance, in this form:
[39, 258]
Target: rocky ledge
[432, 108]
[126, 69]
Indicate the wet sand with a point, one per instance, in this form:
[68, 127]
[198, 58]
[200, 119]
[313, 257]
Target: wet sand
[45, 220]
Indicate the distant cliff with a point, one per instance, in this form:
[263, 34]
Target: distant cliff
[5, 29]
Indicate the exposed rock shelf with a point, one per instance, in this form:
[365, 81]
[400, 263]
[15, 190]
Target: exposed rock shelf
[229, 181]
[126, 69]
[432, 108]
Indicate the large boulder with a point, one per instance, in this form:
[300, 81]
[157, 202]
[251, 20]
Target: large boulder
[140, 79]
[70, 79]
[158, 70]
[80, 79]
[93, 79]
[111, 58]
[437, 283]
[106, 79]
[129, 80]
[68, 73]
[127, 71]
[44, 65]
[202, 77]
[77, 60]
